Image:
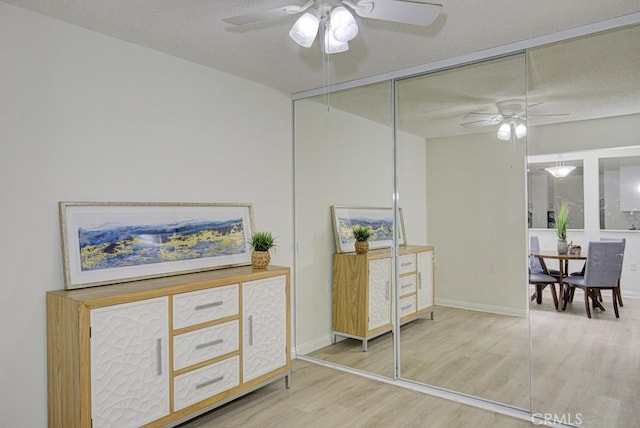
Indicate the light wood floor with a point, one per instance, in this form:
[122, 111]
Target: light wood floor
[476, 353]
[326, 398]
[579, 366]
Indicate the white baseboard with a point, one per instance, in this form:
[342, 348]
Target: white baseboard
[500, 310]
[631, 294]
[314, 345]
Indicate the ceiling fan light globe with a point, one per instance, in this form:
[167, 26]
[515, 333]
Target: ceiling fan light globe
[331, 45]
[343, 24]
[521, 130]
[305, 29]
[504, 132]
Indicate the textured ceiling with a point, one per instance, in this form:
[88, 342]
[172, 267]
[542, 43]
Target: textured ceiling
[263, 52]
[590, 77]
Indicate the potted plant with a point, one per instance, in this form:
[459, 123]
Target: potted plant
[561, 227]
[261, 243]
[361, 235]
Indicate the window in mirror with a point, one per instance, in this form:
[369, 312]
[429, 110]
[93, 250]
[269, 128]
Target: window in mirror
[546, 191]
[619, 193]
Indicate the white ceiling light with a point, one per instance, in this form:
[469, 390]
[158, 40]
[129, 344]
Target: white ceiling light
[509, 127]
[343, 24]
[504, 132]
[560, 170]
[330, 45]
[305, 29]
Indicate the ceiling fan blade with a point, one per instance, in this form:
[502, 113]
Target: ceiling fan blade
[548, 115]
[267, 14]
[478, 124]
[487, 117]
[403, 11]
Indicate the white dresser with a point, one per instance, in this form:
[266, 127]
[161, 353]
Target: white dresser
[157, 352]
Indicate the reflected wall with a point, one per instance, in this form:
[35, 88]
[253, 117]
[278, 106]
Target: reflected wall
[343, 157]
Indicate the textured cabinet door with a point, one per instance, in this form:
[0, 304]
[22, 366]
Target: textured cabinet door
[379, 293]
[129, 363]
[264, 329]
[425, 279]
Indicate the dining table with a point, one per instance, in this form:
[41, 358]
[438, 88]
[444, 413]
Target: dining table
[563, 267]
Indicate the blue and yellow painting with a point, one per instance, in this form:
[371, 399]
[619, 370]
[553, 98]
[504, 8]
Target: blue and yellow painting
[382, 228]
[115, 246]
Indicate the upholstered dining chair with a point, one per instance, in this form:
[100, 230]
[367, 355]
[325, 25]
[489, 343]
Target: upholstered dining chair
[602, 272]
[540, 280]
[536, 264]
[539, 275]
[581, 273]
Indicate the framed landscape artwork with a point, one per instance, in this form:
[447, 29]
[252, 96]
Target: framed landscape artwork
[380, 220]
[111, 242]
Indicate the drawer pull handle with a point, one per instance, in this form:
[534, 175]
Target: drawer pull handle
[159, 356]
[209, 305]
[250, 330]
[209, 382]
[420, 280]
[407, 285]
[405, 307]
[212, 343]
[406, 264]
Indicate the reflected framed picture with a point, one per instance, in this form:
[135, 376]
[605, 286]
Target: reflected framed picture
[380, 220]
[113, 242]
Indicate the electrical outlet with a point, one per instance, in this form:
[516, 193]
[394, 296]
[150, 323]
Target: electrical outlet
[633, 267]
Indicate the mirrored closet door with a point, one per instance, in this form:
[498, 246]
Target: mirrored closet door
[584, 370]
[470, 150]
[344, 168]
[461, 185]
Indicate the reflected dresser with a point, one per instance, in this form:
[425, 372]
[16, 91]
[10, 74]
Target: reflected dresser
[363, 296]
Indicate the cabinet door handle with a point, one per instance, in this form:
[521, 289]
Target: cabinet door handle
[386, 290]
[209, 382]
[207, 344]
[420, 280]
[159, 355]
[209, 305]
[250, 319]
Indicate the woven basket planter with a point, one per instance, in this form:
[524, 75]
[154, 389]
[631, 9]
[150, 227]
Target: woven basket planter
[260, 259]
[361, 247]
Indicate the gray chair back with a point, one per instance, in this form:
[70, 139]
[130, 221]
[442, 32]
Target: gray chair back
[604, 263]
[534, 247]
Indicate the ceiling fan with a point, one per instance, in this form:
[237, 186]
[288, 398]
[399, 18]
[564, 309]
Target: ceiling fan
[334, 21]
[511, 116]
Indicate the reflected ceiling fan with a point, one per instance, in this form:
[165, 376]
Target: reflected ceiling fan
[512, 117]
[334, 20]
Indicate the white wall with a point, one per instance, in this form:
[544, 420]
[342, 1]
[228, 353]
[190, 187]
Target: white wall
[90, 118]
[341, 159]
[477, 210]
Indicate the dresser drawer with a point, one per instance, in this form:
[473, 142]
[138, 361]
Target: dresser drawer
[407, 306]
[407, 284]
[200, 306]
[205, 382]
[204, 344]
[407, 263]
